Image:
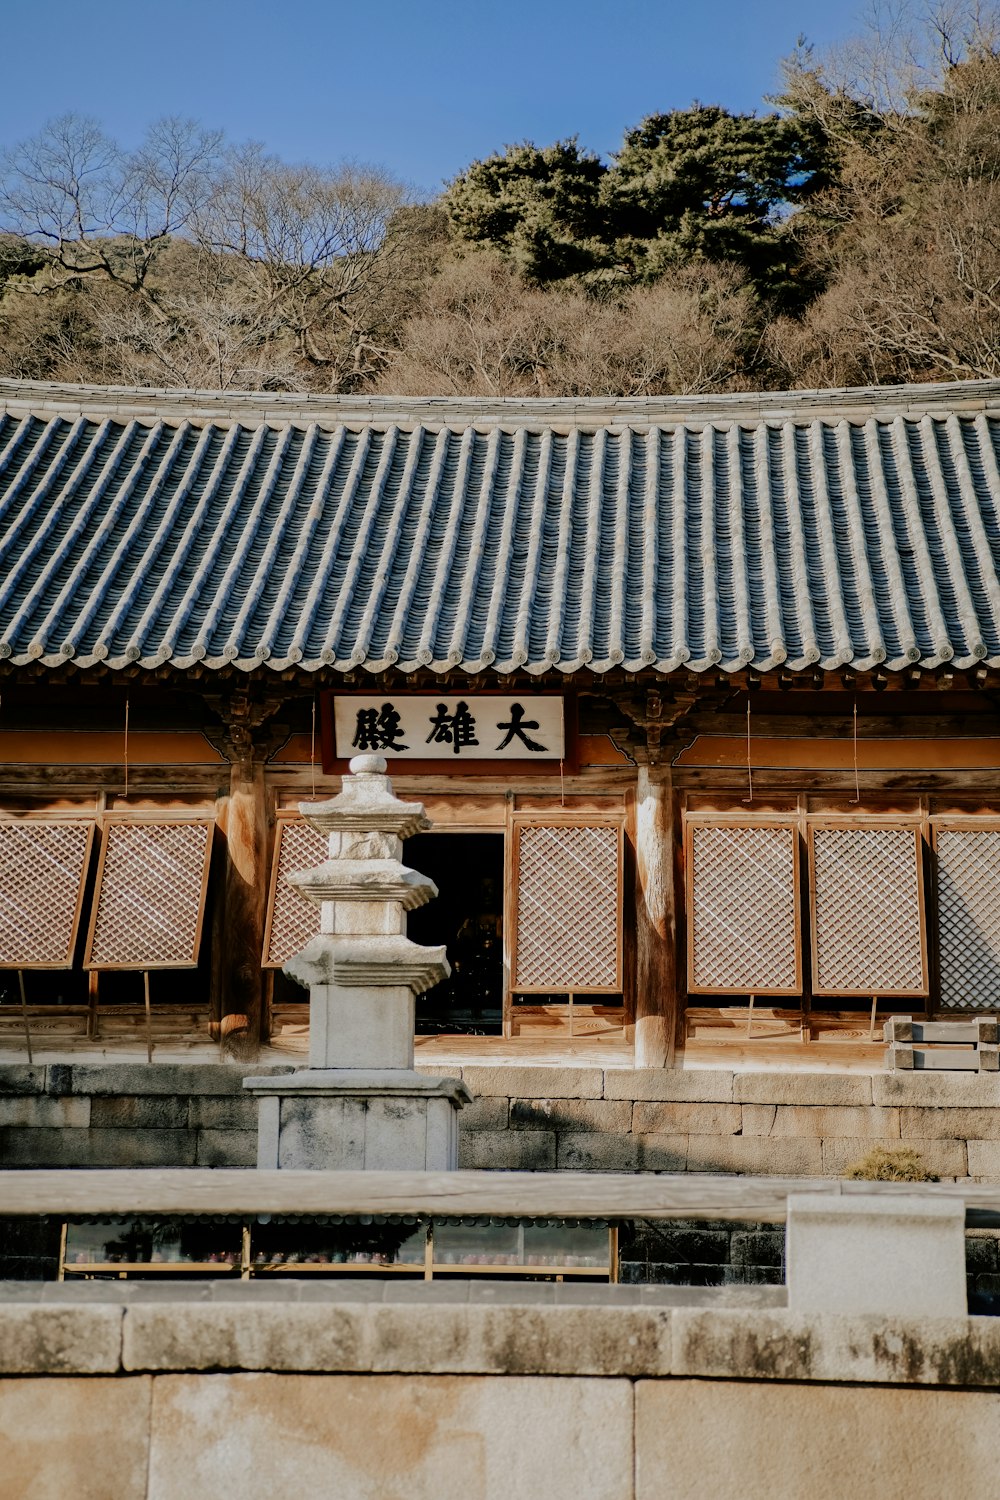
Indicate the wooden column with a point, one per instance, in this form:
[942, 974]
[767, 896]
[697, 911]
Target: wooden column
[656, 920]
[244, 899]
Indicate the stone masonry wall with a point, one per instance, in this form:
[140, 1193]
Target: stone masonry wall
[538, 1119]
[528, 1119]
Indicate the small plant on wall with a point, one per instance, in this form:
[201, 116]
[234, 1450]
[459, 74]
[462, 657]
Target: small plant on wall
[896, 1164]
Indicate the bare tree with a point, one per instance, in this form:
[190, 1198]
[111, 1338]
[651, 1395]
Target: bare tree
[102, 212]
[482, 332]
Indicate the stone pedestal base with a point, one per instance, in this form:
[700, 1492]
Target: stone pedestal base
[898, 1256]
[354, 1119]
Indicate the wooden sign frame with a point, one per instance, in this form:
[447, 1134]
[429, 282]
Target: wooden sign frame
[870, 825]
[693, 825]
[74, 932]
[400, 766]
[115, 820]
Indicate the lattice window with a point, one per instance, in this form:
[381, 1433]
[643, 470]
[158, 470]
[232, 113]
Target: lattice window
[150, 899]
[43, 867]
[867, 911]
[292, 920]
[743, 922]
[568, 909]
[968, 880]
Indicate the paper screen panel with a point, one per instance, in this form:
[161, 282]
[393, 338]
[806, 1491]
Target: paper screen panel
[743, 927]
[568, 909]
[42, 870]
[150, 896]
[292, 920]
[867, 912]
[968, 875]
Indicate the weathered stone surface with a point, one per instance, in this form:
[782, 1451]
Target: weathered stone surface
[391, 1437]
[129, 1112]
[821, 1120]
[877, 1349]
[535, 1083]
[693, 1438]
[834, 1245]
[943, 1158]
[756, 1156]
[508, 1151]
[983, 1158]
[587, 1339]
[84, 1437]
[593, 1151]
[225, 1113]
[32, 1111]
[176, 1079]
[687, 1119]
[485, 1114]
[226, 1148]
[939, 1090]
[570, 1114]
[802, 1088]
[663, 1153]
[928, 1124]
[705, 1085]
[268, 1336]
[50, 1147]
[20, 1078]
[39, 1339]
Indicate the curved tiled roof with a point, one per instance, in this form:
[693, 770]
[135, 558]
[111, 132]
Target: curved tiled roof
[820, 528]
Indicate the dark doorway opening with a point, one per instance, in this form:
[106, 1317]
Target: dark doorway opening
[467, 916]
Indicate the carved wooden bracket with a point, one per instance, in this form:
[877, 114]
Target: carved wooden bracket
[652, 725]
[248, 733]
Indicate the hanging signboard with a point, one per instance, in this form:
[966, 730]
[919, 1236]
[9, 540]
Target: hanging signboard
[451, 730]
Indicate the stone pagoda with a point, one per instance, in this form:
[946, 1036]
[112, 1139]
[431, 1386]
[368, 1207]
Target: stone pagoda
[360, 1104]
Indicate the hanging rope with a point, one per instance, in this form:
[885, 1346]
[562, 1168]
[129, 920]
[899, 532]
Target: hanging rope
[857, 780]
[126, 749]
[749, 761]
[312, 748]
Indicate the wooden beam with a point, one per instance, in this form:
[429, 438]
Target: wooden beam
[525, 1194]
[245, 899]
[656, 960]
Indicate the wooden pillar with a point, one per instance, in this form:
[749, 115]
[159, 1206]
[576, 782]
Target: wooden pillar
[244, 900]
[656, 969]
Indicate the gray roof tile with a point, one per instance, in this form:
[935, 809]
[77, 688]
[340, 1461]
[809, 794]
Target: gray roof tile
[835, 528]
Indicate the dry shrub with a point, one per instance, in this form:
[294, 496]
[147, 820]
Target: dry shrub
[891, 1164]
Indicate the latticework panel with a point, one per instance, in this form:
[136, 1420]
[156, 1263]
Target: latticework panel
[291, 919]
[42, 870]
[968, 871]
[568, 909]
[743, 925]
[868, 935]
[150, 896]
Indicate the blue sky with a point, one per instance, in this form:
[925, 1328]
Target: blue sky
[422, 88]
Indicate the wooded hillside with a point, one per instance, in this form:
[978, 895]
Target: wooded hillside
[850, 236]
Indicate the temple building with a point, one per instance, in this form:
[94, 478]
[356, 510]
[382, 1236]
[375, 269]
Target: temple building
[700, 695]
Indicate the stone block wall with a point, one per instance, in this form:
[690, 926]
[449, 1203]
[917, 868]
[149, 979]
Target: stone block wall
[540, 1119]
[528, 1119]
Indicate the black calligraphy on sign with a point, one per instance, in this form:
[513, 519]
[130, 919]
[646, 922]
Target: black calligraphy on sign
[515, 727]
[378, 729]
[457, 729]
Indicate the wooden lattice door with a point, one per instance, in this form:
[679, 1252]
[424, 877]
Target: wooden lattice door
[744, 935]
[566, 907]
[968, 917]
[292, 919]
[867, 907]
